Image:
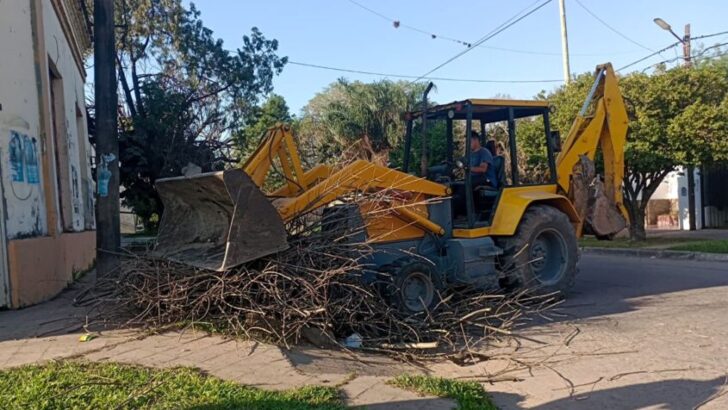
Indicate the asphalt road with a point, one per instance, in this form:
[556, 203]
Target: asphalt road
[642, 333]
[608, 284]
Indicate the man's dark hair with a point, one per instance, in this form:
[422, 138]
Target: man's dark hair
[474, 134]
[490, 145]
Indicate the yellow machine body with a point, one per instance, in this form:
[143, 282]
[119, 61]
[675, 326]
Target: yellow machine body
[222, 219]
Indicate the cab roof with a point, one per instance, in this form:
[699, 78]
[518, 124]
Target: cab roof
[488, 110]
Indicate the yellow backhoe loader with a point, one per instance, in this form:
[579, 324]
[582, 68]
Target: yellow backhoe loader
[439, 230]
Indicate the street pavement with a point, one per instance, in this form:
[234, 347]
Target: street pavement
[635, 333]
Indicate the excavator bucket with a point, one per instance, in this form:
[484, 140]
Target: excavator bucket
[217, 220]
[599, 213]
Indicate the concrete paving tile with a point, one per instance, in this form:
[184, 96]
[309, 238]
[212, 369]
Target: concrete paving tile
[374, 392]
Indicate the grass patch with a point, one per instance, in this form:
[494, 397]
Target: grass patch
[468, 395]
[76, 385]
[712, 246]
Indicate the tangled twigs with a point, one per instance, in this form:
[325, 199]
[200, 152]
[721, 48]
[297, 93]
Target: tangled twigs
[315, 286]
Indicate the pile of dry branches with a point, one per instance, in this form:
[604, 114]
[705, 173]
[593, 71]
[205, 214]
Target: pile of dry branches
[312, 291]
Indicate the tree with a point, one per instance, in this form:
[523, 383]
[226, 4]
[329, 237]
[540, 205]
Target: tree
[362, 119]
[273, 111]
[677, 118]
[668, 130]
[182, 94]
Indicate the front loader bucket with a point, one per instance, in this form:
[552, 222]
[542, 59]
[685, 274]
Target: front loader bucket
[217, 220]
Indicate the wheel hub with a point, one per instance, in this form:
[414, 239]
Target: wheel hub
[417, 291]
[548, 257]
[538, 255]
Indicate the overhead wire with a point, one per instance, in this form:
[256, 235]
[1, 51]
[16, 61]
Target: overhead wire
[709, 35]
[669, 47]
[467, 80]
[504, 26]
[398, 23]
[649, 56]
[614, 30]
[697, 55]
[479, 43]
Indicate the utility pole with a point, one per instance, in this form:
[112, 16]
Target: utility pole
[107, 144]
[691, 169]
[686, 47]
[424, 157]
[564, 42]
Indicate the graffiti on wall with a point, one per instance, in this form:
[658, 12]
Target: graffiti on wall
[23, 200]
[75, 190]
[23, 152]
[88, 191]
[24, 159]
[30, 149]
[75, 162]
[16, 157]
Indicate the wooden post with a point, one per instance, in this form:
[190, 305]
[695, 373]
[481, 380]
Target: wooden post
[424, 157]
[108, 240]
[564, 43]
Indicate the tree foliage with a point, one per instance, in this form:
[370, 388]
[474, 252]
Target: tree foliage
[363, 119]
[182, 94]
[677, 117]
[273, 111]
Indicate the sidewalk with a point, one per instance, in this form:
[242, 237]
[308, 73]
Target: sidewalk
[51, 331]
[706, 245]
[708, 234]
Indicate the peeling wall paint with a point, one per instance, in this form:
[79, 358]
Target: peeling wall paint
[75, 136]
[20, 170]
[22, 142]
[23, 197]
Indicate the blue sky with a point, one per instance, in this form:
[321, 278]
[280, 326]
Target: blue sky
[341, 34]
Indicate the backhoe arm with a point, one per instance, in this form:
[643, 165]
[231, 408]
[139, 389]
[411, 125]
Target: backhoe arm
[307, 190]
[601, 123]
[278, 143]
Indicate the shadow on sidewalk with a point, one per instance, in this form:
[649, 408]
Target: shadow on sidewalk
[55, 317]
[666, 394]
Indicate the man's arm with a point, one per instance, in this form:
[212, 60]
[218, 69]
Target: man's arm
[480, 169]
[485, 159]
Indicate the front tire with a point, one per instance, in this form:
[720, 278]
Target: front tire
[541, 257]
[415, 288]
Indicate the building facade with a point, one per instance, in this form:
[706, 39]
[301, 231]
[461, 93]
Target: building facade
[47, 225]
[668, 206]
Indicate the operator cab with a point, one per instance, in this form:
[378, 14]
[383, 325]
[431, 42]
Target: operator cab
[516, 160]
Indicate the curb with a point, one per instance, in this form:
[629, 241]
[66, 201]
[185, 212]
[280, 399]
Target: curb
[657, 253]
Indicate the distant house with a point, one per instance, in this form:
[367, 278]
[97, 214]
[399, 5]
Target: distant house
[47, 212]
[668, 206]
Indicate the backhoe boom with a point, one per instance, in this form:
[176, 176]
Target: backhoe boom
[600, 125]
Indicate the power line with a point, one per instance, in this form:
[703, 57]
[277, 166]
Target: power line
[709, 35]
[548, 53]
[669, 47]
[648, 56]
[466, 80]
[508, 23]
[397, 24]
[614, 30]
[702, 53]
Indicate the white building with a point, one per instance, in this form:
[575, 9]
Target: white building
[668, 207]
[47, 214]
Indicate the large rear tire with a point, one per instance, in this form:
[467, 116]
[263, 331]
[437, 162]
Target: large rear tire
[541, 257]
